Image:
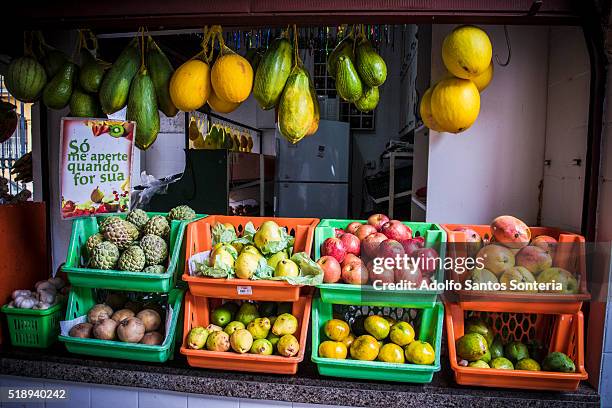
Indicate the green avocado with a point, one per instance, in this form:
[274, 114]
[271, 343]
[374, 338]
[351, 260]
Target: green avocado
[558, 362]
[472, 347]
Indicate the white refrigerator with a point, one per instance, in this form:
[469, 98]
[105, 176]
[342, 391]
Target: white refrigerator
[312, 176]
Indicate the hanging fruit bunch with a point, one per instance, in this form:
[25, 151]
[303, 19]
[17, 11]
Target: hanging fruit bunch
[142, 103]
[291, 91]
[25, 76]
[453, 104]
[358, 70]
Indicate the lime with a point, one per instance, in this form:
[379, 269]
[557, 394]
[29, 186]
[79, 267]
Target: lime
[221, 316]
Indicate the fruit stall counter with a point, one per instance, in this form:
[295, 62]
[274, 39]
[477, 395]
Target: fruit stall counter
[305, 387]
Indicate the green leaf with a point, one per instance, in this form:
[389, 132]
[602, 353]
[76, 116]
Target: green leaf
[310, 272]
[264, 271]
[273, 247]
[220, 233]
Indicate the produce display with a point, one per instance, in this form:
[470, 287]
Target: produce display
[137, 243]
[263, 253]
[349, 256]
[375, 337]
[46, 294]
[479, 348]
[258, 328]
[121, 319]
[452, 104]
[513, 260]
[219, 137]
[358, 70]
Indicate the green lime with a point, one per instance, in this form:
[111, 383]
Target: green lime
[221, 316]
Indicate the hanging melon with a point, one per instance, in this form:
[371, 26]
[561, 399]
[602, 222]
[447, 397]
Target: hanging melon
[231, 75]
[455, 104]
[467, 51]
[219, 105]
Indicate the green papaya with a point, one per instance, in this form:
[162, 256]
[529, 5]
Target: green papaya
[57, 92]
[53, 60]
[161, 71]
[314, 126]
[348, 84]
[91, 72]
[369, 99]
[344, 47]
[272, 73]
[296, 107]
[370, 66]
[85, 105]
[25, 79]
[115, 86]
[142, 108]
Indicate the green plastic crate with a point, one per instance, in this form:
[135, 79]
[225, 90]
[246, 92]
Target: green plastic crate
[82, 228]
[427, 323]
[34, 328]
[341, 293]
[83, 299]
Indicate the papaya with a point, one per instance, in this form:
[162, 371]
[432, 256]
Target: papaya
[84, 105]
[348, 84]
[142, 108]
[57, 92]
[272, 73]
[91, 72]
[231, 76]
[344, 47]
[161, 71]
[296, 107]
[314, 126]
[370, 66]
[254, 56]
[369, 99]
[25, 79]
[190, 85]
[115, 86]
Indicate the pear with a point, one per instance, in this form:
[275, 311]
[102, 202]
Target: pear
[223, 253]
[247, 313]
[268, 232]
[285, 324]
[233, 326]
[259, 327]
[287, 268]
[218, 341]
[246, 265]
[273, 338]
[241, 341]
[262, 346]
[276, 258]
[288, 346]
[196, 339]
[251, 249]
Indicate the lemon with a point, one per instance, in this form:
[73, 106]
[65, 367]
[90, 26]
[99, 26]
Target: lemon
[483, 80]
[455, 104]
[420, 352]
[425, 112]
[467, 52]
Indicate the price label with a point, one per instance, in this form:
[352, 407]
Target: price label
[245, 290]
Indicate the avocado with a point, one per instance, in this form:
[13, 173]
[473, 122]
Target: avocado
[476, 325]
[57, 92]
[496, 348]
[472, 347]
[516, 351]
[559, 362]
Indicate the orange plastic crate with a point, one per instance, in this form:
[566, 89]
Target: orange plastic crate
[572, 258]
[199, 239]
[197, 312]
[564, 333]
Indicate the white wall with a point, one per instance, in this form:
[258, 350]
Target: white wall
[495, 166]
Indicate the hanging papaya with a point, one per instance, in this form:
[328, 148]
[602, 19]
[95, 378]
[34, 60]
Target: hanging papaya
[314, 126]
[348, 84]
[84, 105]
[115, 86]
[231, 76]
[57, 92]
[369, 99]
[190, 85]
[344, 47]
[296, 107]
[370, 66]
[161, 71]
[91, 72]
[25, 79]
[142, 108]
[272, 73]
[219, 105]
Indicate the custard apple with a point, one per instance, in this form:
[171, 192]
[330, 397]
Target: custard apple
[137, 217]
[120, 232]
[103, 222]
[182, 212]
[104, 256]
[155, 269]
[157, 225]
[92, 241]
[155, 249]
[132, 259]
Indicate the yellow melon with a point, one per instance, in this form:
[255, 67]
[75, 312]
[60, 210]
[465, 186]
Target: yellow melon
[483, 80]
[455, 104]
[232, 77]
[425, 112]
[219, 105]
[190, 85]
[467, 52]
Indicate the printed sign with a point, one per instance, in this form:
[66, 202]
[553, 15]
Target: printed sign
[96, 163]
